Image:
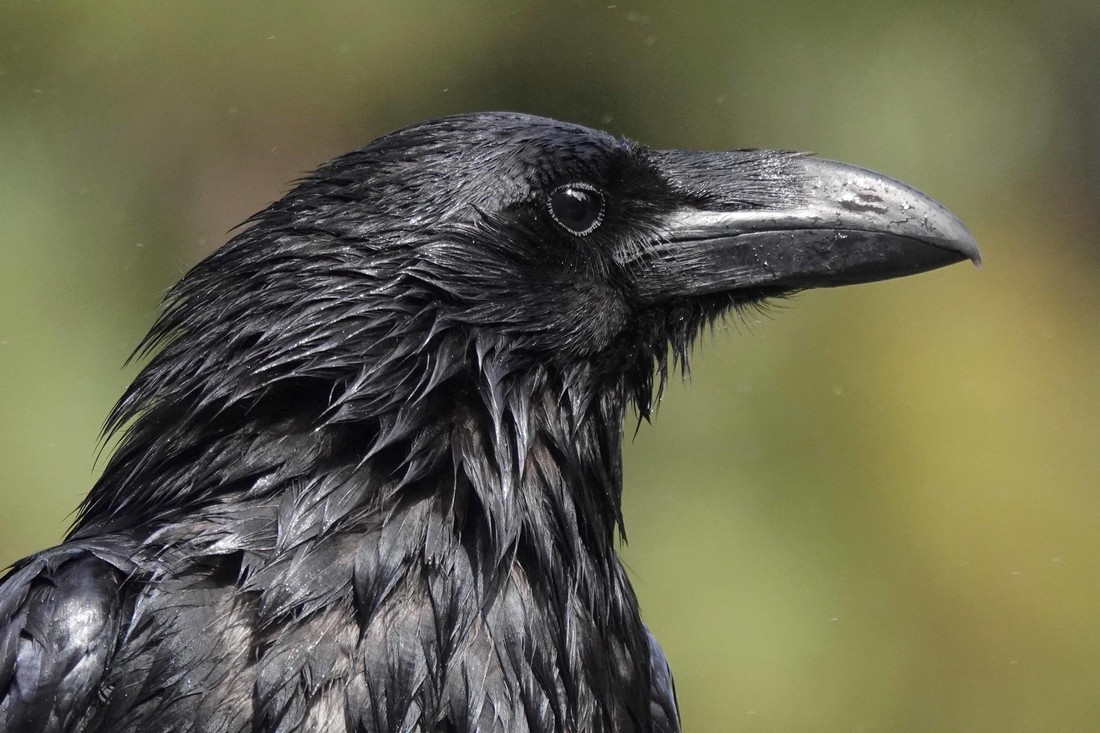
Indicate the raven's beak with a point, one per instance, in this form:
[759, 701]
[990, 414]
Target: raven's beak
[767, 223]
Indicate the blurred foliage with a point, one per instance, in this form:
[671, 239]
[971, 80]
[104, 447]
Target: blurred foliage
[875, 509]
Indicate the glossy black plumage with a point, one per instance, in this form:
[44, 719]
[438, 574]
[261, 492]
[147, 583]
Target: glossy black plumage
[370, 478]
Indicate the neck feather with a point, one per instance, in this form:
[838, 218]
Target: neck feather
[535, 452]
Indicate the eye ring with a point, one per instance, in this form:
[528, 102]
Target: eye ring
[576, 207]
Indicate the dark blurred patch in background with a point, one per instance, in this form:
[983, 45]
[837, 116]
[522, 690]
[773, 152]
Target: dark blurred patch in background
[877, 510]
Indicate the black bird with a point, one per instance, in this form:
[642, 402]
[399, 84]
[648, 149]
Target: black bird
[370, 478]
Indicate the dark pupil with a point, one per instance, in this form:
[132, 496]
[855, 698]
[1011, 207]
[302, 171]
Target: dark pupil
[575, 208]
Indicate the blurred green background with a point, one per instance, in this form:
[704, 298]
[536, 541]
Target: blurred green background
[876, 509]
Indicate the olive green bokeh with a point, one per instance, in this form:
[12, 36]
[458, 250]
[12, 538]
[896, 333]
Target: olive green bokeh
[874, 509]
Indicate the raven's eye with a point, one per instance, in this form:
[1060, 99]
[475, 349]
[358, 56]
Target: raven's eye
[578, 207]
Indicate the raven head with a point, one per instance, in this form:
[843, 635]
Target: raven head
[560, 243]
[467, 250]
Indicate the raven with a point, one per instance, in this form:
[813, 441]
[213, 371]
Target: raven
[370, 478]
